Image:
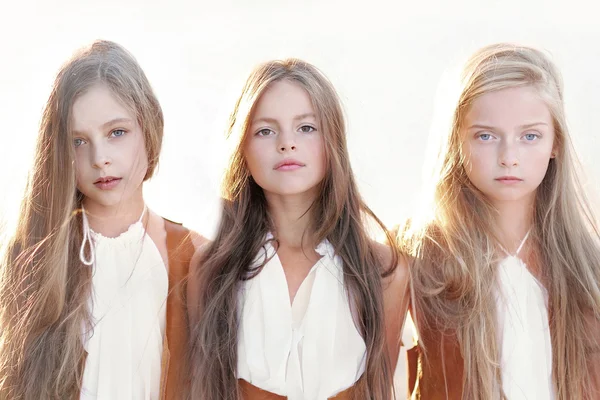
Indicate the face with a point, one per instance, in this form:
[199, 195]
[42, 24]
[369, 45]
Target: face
[284, 146]
[508, 141]
[110, 156]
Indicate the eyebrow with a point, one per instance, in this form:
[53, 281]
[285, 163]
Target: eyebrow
[105, 125]
[265, 119]
[531, 125]
[274, 121]
[116, 121]
[304, 116]
[524, 126]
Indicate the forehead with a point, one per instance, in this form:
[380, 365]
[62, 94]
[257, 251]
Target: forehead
[97, 106]
[508, 108]
[283, 99]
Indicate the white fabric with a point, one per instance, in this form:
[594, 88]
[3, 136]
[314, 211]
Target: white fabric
[410, 336]
[128, 305]
[309, 350]
[410, 339]
[523, 332]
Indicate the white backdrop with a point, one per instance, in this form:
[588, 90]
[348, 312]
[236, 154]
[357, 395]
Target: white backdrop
[386, 61]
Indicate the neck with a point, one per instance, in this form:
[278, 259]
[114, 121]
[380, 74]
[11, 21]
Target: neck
[290, 216]
[111, 221]
[513, 221]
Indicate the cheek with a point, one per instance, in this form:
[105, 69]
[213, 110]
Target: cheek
[479, 157]
[477, 162]
[317, 150]
[140, 164]
[469, 157]
[79, 165]
[323, 162]
[538, 163]
[251, 154]
[136, 152]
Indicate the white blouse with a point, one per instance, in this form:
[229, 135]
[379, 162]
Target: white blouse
[309, 350]
[523, 332]
[128, 306]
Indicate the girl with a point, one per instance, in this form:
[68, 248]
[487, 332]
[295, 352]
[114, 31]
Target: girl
[288, 300]
[506, 280]
[83, 300]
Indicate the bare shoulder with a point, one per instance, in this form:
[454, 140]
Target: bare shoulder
[200, 247]
[398, 280]
[198, 240]
[396, 293]
[182, 234]
[200, 244]
[396, 299]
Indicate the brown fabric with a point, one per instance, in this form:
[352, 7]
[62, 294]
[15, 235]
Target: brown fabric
[174, 379]
[444, 356]
[412, 366]
[251, 392]
[439, 372]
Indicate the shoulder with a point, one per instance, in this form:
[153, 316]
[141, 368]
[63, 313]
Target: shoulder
[396, 297]
[398, 280]
[199, 241]
[181, 233]
[184, 244]
[201, 245]
[396, 293]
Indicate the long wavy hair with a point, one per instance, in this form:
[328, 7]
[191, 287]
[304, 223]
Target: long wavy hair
[456, 250]
[44, 287]
[338, 213]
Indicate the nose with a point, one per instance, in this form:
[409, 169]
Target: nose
[508, 157]
[286, 142]
[100, 156]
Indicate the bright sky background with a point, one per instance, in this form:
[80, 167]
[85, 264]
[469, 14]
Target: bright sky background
[385, 59]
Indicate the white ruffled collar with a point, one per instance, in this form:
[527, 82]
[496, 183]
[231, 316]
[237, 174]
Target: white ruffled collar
[133, 231]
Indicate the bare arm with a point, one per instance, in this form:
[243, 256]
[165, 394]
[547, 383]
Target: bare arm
[396, 299]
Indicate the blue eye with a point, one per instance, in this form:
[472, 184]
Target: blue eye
[531, 137]
[265, 132]
[117, 133]
[485, 136]
[307, 129]
[78, 142]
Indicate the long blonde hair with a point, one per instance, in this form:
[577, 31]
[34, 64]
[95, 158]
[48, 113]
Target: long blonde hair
[455, 251]
[44, 287]
[338, 214]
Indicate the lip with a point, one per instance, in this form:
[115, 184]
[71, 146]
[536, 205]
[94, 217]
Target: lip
[107, 182]
[509, 180]
[289, 164]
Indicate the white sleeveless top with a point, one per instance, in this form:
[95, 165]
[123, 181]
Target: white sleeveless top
[128, 306]
[523, 332]
[309, 350]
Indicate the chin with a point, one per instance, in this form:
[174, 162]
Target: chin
[291, 191]
[512, 197]
[106, 200]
